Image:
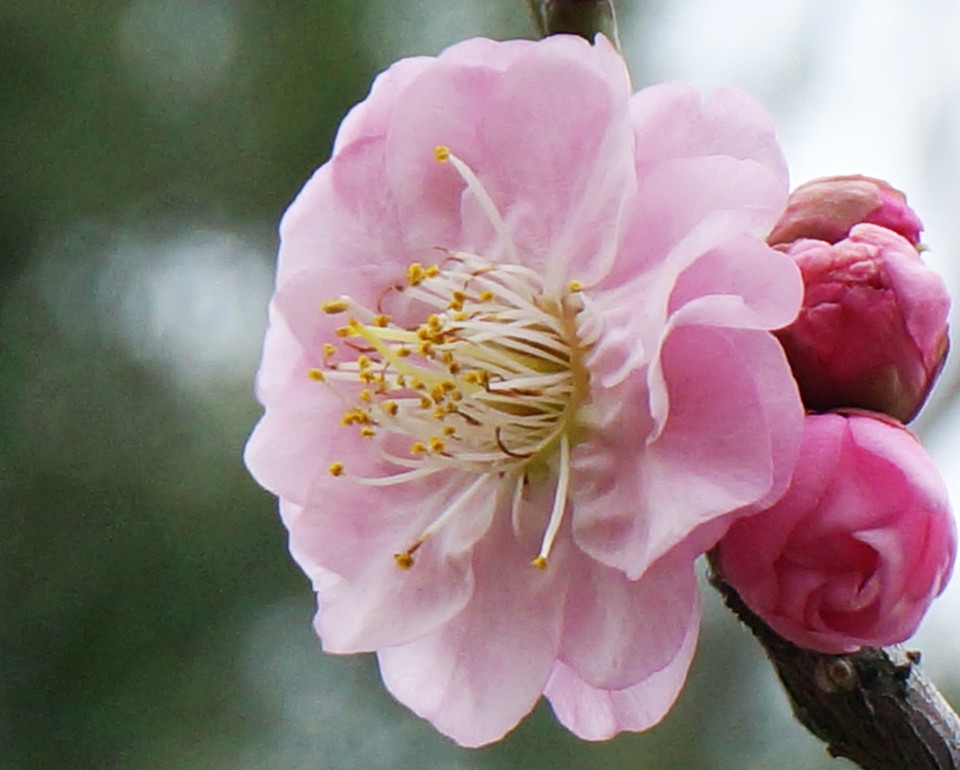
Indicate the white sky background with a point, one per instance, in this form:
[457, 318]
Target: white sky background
[855, 86]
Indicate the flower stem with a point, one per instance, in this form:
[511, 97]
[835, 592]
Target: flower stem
[874, 707]
[578, 17]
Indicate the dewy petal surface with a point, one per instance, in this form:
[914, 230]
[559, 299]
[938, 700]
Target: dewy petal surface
[519, 375]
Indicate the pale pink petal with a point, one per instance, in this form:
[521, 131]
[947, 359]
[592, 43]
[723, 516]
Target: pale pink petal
[741, 462]
[741, 283]
[290, 448]
[376, 609]
[371, 117]
[679, 195]
[705, 463]
[672, 122]
[557, 161]
[482, 672]
[369, 602]
[596, 714]
[618, 632]
[344, 217]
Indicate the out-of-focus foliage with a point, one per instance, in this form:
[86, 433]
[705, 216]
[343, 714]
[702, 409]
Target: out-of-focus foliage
[149, 614]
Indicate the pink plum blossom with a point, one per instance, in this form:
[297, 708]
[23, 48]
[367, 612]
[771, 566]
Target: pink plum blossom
[872, 332]
[519, 374]
[827, 209]
[858, 547]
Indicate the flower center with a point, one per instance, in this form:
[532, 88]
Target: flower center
[489, 380]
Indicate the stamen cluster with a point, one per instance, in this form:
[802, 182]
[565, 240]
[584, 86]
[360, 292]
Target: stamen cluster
[488, 381]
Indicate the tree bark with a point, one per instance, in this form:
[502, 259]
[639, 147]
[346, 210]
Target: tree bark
[874, 707]
[578, 17]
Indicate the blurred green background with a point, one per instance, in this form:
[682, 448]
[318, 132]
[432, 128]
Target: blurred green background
[150, 616]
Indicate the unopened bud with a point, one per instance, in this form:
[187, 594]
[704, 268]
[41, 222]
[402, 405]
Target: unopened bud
[855, 550]
[872, 332]
[827, 209]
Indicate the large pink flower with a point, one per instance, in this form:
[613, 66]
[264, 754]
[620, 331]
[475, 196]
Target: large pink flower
[522, 320]
[858, 547]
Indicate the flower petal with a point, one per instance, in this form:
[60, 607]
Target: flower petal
[366, 600]
[478, 675]
[595, 714]
[726, 442]
[671, 121]
[618, 632]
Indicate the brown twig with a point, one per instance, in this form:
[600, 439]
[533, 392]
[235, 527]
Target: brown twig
[578, 17]
[874, 707]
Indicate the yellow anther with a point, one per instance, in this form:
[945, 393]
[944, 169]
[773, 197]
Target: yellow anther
[366, 396]
[425, 403]
[415, 383]
[381, 320]
[418, 448]
[355, 417]
[404, 560]
[574, 286]
[437, 444]
[402, 352]
[391, 408]
[460, 316]
[433, 321]
[415, 274]
[366, 376]
[363, 361]
[453, 367]
[486, 295]
[441, 153]
[344, 331]
[367, 432]
[439, 413]
[328, 350]
[449, 430]
[316, 375]
[540, 562]
[432, 271]
[401, 381]
[335, 306]
[336, 469]
[448, 385]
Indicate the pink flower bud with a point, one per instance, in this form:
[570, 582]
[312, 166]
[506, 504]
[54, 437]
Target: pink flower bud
[858, 547]
[827, 209]
[872, 332]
